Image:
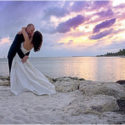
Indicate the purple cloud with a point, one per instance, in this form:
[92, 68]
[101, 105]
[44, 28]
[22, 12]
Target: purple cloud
[56, 11]
[71, 23]
[107, 13]
[101, 35]
[104, 24]
[80, 5]
[98, 4]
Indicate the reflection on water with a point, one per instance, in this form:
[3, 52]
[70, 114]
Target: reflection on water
[91, 68]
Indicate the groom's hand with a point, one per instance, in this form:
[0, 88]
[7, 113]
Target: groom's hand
[24, 59]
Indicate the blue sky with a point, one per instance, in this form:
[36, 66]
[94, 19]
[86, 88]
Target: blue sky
[69, 28]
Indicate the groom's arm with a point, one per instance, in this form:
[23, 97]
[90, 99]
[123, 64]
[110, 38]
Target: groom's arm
[27, 53]
[15, 47]
[21, 54]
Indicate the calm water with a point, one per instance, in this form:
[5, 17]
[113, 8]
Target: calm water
[91, 68]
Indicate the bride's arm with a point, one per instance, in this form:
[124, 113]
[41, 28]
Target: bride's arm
[26, 37]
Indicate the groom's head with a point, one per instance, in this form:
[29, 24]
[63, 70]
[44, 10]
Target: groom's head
[30, 30]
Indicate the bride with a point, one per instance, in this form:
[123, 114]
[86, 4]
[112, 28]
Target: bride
[24, 76]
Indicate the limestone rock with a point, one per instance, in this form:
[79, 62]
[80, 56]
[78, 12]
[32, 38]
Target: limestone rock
[4, 81]
[93, 105]
[66, 86]
[90, 88]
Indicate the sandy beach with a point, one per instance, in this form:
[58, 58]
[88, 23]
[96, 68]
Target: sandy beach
[77, 101]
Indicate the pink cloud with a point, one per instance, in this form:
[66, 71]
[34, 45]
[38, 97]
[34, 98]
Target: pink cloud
[4, 40]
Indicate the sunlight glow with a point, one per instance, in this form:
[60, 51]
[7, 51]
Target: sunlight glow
[117, 2]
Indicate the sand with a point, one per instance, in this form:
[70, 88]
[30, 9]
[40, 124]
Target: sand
[59, 108]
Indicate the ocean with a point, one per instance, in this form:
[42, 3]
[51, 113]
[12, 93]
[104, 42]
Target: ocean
[109, 69]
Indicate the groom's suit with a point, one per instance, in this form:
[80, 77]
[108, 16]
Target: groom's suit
[16, 48]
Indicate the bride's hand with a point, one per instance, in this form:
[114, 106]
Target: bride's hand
[24, 59]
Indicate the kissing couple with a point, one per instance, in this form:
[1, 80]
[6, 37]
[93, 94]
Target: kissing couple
[23, 75]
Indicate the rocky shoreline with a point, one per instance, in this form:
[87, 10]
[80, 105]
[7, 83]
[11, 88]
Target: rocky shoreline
[77, 101]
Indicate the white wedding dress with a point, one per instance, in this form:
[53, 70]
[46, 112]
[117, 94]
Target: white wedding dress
[25, 77]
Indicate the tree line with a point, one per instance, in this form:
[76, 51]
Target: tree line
[121, 52]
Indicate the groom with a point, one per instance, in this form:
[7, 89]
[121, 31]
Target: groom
[16, 46]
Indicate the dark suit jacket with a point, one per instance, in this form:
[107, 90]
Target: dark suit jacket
[16, 47]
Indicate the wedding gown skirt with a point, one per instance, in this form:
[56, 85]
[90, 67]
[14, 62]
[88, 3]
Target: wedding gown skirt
[25, 77]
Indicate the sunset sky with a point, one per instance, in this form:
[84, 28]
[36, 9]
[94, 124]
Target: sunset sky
[69, 28]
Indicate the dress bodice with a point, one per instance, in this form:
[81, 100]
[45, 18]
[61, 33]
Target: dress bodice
[23, 49]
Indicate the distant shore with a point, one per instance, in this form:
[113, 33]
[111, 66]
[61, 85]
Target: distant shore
[69, 56]
[108, 56]
[121, 52]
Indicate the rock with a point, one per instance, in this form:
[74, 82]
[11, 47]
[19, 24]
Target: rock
[4, 81]
[66, 86]
[67, 78]
[4, 77]
[90, 88]
[121, 82]
[121, 104]
[113, 117]
[93, 105]
[101, 103]
[49, 78]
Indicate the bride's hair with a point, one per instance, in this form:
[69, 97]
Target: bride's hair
[37, 40]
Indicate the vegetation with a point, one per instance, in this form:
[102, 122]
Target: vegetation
[119, 53]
